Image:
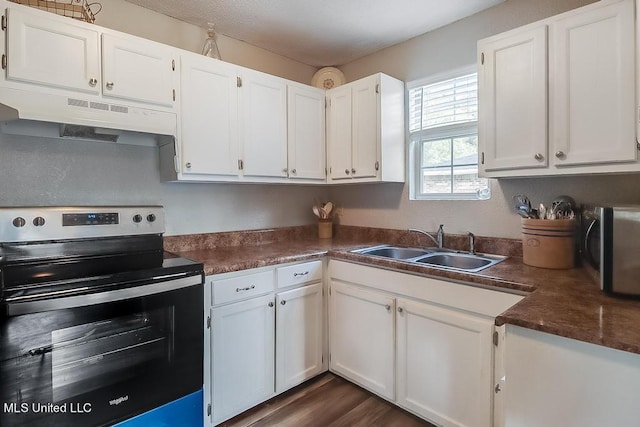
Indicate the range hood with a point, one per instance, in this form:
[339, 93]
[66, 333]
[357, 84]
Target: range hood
[24, 112]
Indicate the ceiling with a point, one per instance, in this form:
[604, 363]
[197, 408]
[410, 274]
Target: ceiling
[322, 32]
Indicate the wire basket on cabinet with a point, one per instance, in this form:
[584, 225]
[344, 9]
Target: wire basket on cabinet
[76, 9]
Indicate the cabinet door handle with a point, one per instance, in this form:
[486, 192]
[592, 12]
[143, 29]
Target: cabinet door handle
[293, 171]
[387, 307]
[109, 85]
[93, 82]
[346, 171]
[300, 274]
[559, 154]
[248, 288]
[270, 303]
[400, 309]
[285, 170]
[188, 165]
[283, 302]
[353, 171]
[538, 156]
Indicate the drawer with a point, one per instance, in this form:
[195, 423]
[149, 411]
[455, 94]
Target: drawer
[299, 273]
[242, 287]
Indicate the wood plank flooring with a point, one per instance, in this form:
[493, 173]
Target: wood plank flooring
[326, 401]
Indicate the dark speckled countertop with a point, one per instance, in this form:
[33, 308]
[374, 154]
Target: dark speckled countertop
[567, 303]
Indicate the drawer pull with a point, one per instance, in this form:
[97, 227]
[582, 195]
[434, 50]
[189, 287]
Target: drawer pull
[300, 274]
[248, 288]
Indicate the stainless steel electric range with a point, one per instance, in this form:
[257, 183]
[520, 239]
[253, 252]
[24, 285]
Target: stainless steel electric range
[97, 323]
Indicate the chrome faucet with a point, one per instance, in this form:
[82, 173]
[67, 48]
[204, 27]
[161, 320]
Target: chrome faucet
[438, 240]
[472, 243]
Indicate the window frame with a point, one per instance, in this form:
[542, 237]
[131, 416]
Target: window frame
[416, 138]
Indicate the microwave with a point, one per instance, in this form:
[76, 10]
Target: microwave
[610, 242]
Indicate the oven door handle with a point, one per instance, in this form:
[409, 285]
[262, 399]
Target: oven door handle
[15, 308]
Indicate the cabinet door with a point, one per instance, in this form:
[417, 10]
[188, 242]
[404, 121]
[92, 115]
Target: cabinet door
[209, 117]
[306, 127]
[263, 125]
[138, 70]
[556, 381]
[362, 337]
[243, 356]
[339, 129]
[444, 364]
[591, 86]
[512, 94]
[366, 127]
[299, 335]
[47, 52]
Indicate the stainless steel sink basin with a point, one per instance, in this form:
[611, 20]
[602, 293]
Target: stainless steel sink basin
[434, 257]
[460, 261]
[395, 252]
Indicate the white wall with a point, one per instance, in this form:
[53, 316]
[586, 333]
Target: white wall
[50, 172]
[449, 48]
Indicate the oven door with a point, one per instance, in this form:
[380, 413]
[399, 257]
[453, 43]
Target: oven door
[101, 363]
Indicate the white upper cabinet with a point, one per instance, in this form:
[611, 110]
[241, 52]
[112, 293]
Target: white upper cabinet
[306, 132]
[588, 74]
[46, 52]
[138, 70]
[263, 124]
[592, 78]
[209, 117]
[61, 53]
[242, 125]
[512, 80]
[366, 130]
[339, 129]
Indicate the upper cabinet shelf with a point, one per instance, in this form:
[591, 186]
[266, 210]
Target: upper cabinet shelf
[558, 96]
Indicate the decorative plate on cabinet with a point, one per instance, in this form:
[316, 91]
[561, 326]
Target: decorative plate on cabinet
[328, 78]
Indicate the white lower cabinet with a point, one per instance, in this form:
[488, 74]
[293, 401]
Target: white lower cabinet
[362, 337]
[299, 343]
[556, 381]
[263, 341]
[423, 343]
[444, 364]
[243, 358]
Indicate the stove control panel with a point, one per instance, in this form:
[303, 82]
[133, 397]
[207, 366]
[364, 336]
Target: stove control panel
[54, 223]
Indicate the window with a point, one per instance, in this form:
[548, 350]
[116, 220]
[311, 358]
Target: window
[443, 132]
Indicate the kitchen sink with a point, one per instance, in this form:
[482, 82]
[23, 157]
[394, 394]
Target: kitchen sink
[462, 261]
[395, 252]
[435, 257]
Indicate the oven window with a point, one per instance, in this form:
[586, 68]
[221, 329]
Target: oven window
[95, 355]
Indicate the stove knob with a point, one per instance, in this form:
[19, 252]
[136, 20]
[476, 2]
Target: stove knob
[19, 222]
[137, 218]
[38, 221]
[151, 217]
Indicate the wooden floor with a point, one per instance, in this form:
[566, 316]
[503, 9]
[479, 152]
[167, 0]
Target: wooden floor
[327, 400]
